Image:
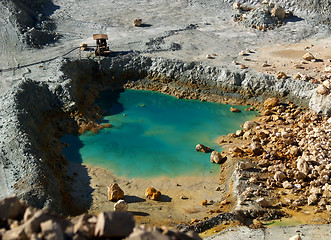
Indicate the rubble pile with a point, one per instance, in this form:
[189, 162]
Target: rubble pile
[267, 16]
[291, 154]
[21, 222]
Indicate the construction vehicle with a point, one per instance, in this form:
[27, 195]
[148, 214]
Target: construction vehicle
[101, 48]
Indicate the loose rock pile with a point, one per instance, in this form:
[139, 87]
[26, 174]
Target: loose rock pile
[20, 222]
[292, 154]
[266, 16]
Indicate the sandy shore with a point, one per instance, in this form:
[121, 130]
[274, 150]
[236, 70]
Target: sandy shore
[180, 202]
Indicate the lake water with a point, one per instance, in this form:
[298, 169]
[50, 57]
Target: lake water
[154, 134]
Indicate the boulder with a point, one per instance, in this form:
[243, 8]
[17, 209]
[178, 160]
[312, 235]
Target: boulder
[263, 202]
[202, 148]
[121, 206]
[245, 165]
[278, 12]
[137, 22]
[279, 176]
[114, 225]
[239, 132]
[84, 226]
[217, 157]
[249, 125]
[153, 194]
[233, 109]
[302, 165]
[11, 208]
[51, 230]
[281, 75]
[308, 56]
[236, 151]
[271, 102]
[312, 199]
[287, 185]
[255, 148]
[115, 192]
[321, 89]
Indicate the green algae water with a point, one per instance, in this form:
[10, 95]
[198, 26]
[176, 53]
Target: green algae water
[155, 135]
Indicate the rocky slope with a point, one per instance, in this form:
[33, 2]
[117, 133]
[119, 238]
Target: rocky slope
[45, 100]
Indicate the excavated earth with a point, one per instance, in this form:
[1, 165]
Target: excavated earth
[48, 86]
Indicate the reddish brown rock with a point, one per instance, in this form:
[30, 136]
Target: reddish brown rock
[270, 103]
[217, 157]
[308, 56]
[153, 194]
[233, 109]
[115, 193]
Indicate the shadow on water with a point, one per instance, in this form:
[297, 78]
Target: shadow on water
[111, 106]
[81, 182]
[49, 8]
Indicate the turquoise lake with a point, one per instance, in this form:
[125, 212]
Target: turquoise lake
[154, 135]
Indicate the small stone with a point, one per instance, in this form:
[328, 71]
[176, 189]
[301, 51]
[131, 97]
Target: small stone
[265, 65]
[327, 69]
[120, 206]
[302, 165]
[217, 157]
[242, 66]
[249, 125]
[321, 89]
[183, 197]
[202, 148]
[296, 237]
[236, 5]
[239, 132]
[115, 192]
[245, 165]
[153, 194]
[204, 203]
[233, 109]
[137, 22]
[281, 75]
[312, 199]
[114, 225]
[308, 56]
[255, 148]
[253, 180]
[279, 176]
[278, 12]
[287, 185]
[236, 151]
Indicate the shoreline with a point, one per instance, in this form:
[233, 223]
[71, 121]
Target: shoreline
[180, 202]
